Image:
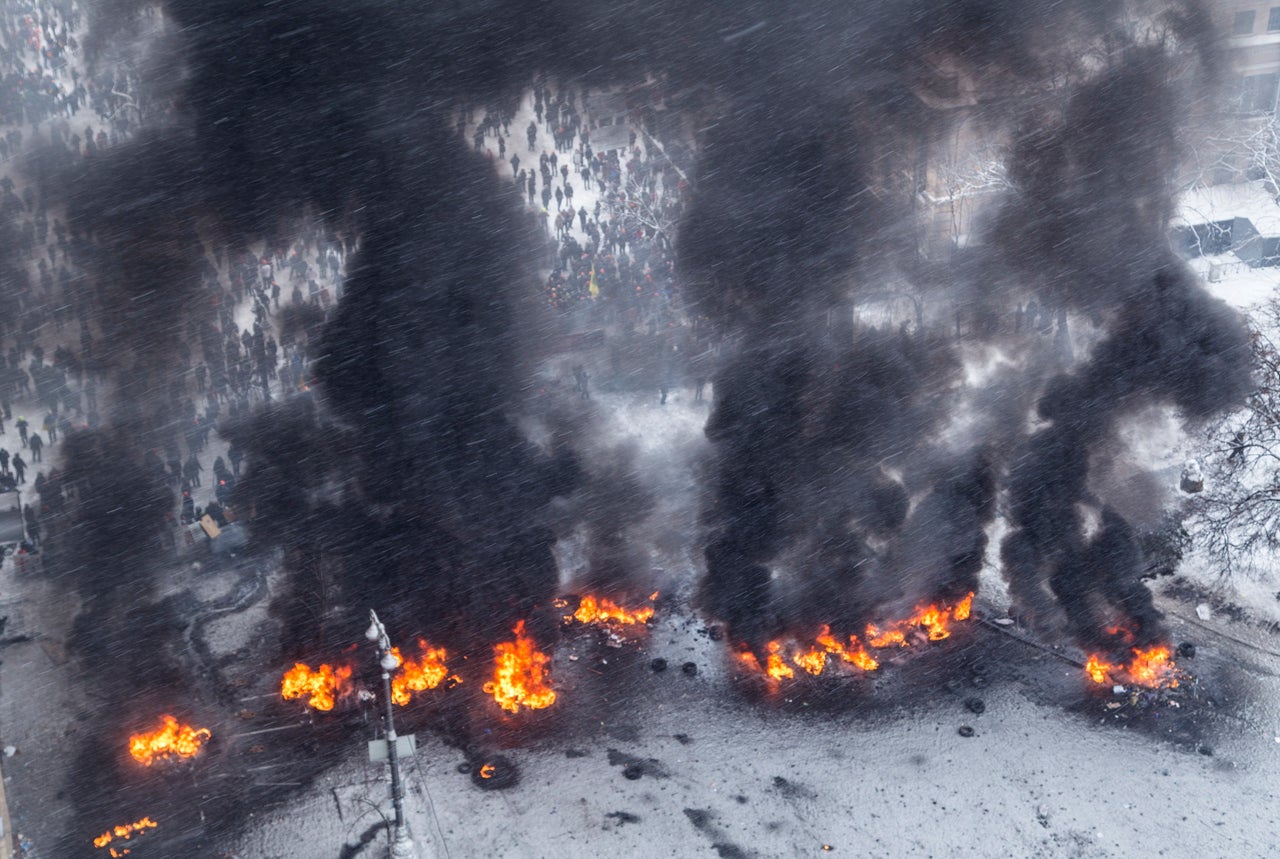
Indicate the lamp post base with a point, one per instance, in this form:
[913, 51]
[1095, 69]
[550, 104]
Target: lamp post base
[402, 846]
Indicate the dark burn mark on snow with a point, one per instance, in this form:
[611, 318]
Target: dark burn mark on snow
[790, 789]
[634, 768]
[703, 820]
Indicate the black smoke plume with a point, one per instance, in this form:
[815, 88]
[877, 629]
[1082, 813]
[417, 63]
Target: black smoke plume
[1093, 198]
[839, 486]
[1091, 160]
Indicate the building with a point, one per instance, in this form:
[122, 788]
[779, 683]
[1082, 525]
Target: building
[1253, 48]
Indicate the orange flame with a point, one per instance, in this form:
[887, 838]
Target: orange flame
[520, 674]
[1152, 668]
[605, 610]
[486, 771]
[323, 685]
[859, 657]
[854, 654]
[936, 622]
[776, 668]
[427, 673]
[814, 658]
[933, 618]
[812, 661]
[1124, 634]
[171, 739]
[876, 638]
[124, 833]
[1097, 669]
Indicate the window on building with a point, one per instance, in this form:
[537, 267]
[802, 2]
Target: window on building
[1258, 93]
[1273, 19]
[1243, 25]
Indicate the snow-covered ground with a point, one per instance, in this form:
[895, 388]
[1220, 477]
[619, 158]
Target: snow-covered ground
[727, 775]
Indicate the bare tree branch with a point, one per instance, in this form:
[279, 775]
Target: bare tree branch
[1239, 514]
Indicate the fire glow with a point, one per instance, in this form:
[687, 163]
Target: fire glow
[322, 686]
[520, 674]
[931, 622]
[1152, 668]
[123, 833]
[605, 611]
[170, 740]
[428, 672]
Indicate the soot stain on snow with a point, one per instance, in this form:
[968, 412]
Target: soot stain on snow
[635, 767]
[791, 790]
[703, 820]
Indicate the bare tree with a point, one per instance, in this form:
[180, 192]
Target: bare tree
[1239, 146]
[641, 204]
[1260, 146]
[1239, 513]
[969, 176]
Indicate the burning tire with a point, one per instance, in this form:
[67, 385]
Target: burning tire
[494, 773]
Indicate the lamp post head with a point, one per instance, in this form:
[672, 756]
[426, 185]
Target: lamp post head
[376, 631]
[389, 661]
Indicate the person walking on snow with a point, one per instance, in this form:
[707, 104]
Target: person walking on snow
[37, 447]
[191, 470]
[20, 468]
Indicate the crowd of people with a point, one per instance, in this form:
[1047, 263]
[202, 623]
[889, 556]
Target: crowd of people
[610, 228]
[609, 216]
[54, 361]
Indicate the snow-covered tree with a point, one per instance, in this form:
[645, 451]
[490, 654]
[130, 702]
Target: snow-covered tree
[1237, 149]
[967, 178]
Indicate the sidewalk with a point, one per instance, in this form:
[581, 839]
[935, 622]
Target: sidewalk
[7, 836]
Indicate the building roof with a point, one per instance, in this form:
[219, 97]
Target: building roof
[1216, 203]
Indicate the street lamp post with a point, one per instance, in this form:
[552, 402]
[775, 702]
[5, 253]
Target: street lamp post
[402, 843]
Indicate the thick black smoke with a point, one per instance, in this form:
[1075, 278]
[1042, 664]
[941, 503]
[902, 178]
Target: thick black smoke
[800, 198]
[776, 251]
[839, 485]
[1088, 224]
